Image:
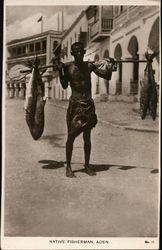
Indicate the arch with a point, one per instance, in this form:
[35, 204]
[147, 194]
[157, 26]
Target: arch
[118, 55]
[118, 51]
[106, 54]
[133, 46]
[153, 41]
[96, 58]
[133, 50]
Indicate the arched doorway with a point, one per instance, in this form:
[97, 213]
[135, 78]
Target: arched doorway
[153, 44]
[106, 55]
[118, 56]
[96, 58]
[153, 41]
[133, 50]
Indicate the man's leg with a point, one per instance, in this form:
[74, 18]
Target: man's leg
[69, 150]
[87, 151]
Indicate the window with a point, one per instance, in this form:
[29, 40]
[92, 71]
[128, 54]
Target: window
[24, 49]
[55, 43]
[96, 13]
[37, 46]
[31, 47]
[121, 8]
[44, 45]
[18, 50]
[14, 51]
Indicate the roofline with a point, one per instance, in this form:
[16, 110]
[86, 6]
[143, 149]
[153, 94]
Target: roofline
[53, 32]
[74, 23]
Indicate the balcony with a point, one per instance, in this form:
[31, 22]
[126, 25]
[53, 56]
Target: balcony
[40, 52]
[100, 29]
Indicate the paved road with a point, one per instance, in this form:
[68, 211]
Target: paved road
[121, 200]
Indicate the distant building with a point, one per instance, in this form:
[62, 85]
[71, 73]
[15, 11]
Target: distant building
[24, 49]
[21, 51]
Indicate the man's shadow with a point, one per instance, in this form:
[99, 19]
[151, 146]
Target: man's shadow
[51, 164]
[105, 167]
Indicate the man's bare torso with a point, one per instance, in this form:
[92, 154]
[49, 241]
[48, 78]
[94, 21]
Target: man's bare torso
[79, 77]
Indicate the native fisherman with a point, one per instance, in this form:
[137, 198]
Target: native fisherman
[81, 116]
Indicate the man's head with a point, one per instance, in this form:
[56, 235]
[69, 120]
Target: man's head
[78, 51]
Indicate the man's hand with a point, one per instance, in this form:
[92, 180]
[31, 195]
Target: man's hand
[60, 66]
[57, 64]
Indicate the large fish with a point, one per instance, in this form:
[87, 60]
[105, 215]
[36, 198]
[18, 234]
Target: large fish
[35, 102]
[148, 91]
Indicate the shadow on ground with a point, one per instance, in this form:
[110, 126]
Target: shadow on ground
[55, 140]
[51, 164]
[154, 171]
[105, 167]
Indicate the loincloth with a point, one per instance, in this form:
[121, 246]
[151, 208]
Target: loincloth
[80, 116]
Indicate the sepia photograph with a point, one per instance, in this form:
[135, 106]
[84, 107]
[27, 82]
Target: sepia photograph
[81, 98]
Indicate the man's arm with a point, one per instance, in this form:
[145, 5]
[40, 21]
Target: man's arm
[63, 74]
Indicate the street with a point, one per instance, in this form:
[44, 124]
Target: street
[120, 201]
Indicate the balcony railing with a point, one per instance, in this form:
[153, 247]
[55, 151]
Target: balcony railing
[27, 54]
[107, 24]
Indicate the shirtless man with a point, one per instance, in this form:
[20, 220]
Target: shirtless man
[81, 115]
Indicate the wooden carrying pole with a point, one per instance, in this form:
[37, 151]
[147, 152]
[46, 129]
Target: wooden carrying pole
[116, 61]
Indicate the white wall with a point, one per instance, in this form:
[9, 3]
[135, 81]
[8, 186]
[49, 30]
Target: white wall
[141, 29]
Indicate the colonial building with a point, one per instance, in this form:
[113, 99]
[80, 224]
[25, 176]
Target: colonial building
[136, 29]
[21, 51]
[121, 32]
[129, 32]
[100, 26]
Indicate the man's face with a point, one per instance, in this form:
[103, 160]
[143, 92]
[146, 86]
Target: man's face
[78, 54]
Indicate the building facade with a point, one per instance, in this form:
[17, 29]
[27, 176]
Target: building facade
[136, 29]
[120, 32]
[22, 51]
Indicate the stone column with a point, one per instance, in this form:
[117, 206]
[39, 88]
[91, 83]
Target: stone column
[12, 90]
[7, 88]
[16, 85]
[22, 89]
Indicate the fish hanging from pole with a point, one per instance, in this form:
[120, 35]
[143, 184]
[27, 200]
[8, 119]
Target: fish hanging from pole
[35, 102]
[148, 91]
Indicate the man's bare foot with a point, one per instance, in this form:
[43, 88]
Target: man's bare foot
[89, 171]
[69, 173]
